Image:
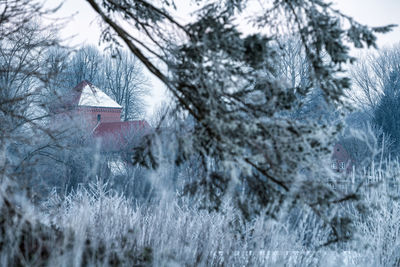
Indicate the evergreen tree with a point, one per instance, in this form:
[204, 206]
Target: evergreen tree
[226, 80]
[386, 114]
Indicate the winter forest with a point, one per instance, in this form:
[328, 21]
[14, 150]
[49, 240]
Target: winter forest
[275, 144]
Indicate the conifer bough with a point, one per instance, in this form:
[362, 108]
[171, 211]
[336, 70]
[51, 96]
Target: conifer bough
[227, 80]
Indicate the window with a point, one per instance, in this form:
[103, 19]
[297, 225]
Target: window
[98, 117]
[333, 165]
[342, 165]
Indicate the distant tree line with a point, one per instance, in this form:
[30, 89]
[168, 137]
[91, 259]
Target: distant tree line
[373, 129]
[121, 76]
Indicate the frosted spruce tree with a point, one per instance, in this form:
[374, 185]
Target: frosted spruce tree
[227, 80]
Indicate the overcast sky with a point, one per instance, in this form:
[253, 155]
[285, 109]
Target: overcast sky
[85, 29]
[374, 13]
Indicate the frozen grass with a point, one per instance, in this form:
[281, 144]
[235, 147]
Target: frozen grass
[96, 227]
[177, 233]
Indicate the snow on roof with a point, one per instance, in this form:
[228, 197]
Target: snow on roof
[92, 96]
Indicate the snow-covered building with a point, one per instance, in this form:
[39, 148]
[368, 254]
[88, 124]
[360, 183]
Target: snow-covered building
[100, 116]
[341, 160]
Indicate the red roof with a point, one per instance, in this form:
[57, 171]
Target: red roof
[117, 135]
